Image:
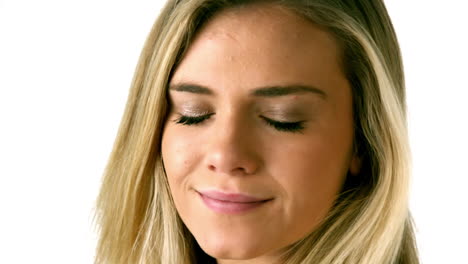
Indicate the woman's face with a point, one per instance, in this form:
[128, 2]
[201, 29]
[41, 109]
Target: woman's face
[259, 137]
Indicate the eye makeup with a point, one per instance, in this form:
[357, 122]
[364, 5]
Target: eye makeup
[285, 117]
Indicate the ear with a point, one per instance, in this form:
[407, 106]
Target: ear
[355, 164]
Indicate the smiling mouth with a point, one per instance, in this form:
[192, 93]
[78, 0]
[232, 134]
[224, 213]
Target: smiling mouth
[231, 203]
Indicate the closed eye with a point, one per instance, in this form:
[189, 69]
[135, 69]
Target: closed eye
[192, 120]
[284, 126]
[278, 125]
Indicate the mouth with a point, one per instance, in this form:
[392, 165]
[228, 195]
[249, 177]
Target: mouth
[231, 203]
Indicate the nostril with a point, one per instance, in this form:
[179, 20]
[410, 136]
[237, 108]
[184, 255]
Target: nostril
[232, 171]
[230, 161]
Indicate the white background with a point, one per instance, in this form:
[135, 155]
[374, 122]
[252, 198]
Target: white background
[65, 71]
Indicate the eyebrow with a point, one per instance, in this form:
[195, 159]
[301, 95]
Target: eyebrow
[269, 91]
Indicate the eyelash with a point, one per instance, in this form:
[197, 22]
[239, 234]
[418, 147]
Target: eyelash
[280, 126]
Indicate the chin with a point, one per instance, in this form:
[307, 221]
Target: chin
[235, 250]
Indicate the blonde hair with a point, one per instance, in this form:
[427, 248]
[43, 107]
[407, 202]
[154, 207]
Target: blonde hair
[369, 223]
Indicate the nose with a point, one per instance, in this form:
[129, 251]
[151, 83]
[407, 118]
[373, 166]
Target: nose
[233, 148]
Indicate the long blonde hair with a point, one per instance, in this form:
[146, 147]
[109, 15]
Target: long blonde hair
[369, 223]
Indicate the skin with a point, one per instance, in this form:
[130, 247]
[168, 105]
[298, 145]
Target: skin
[236, 150]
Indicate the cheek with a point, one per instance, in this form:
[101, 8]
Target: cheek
[312, 181]
[311, 175]
[179, 154]
[314, 170]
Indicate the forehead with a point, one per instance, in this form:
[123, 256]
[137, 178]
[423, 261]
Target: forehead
[260, 45]
[263, 21]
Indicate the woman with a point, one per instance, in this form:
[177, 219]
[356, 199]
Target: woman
[262, 132]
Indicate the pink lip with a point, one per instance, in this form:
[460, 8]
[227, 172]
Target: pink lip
[231, 197]
[230, 203]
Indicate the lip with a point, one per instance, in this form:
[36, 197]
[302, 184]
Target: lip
[231, 197]
[231, 203]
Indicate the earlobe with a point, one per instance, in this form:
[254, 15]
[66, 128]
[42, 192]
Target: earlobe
[355, 165]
